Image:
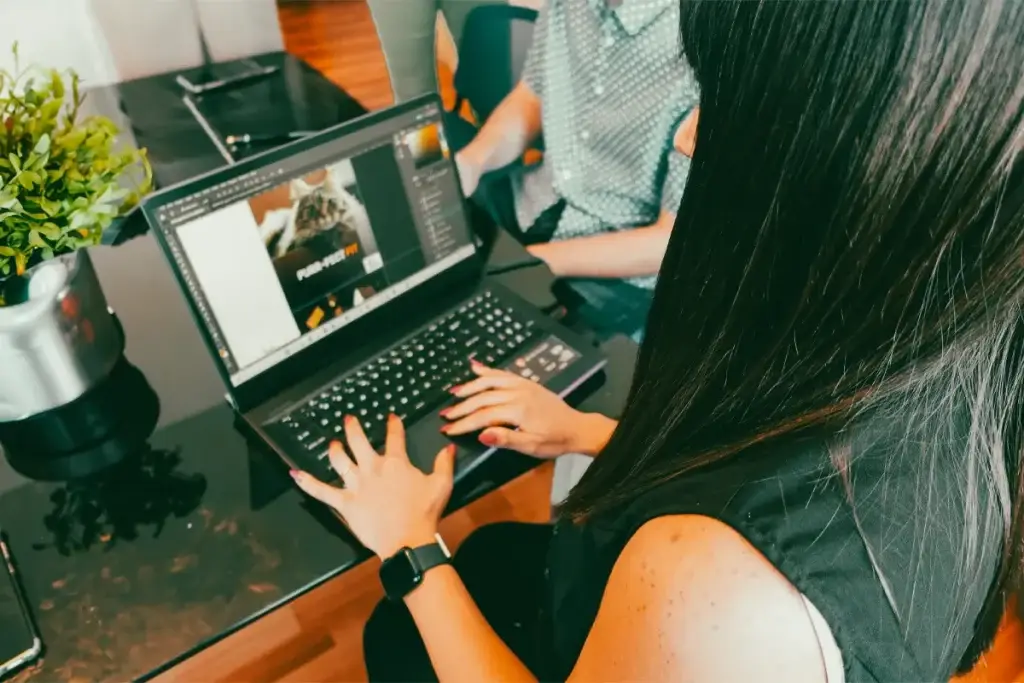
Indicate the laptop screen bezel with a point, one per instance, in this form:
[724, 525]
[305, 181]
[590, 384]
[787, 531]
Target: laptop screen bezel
[334, 346]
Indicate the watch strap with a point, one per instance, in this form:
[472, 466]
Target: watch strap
[431, 555]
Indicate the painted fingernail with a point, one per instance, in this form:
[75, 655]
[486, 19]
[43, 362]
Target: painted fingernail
[392, 417]
[349, 420]
[451, 448]
[445, 428]
[488, 439]
[475, 363]
[295, 474]
[444, 412]
[456, 389]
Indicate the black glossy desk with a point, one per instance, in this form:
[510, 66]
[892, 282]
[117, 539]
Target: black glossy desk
[202, 534]
[296, 98]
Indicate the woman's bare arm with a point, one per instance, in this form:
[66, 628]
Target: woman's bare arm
[687, 594]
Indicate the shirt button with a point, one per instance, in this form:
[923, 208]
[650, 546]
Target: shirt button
[598, 89]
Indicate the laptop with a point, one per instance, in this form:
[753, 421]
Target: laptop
[338, 275]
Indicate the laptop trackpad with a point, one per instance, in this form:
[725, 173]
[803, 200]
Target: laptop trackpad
[424, 440]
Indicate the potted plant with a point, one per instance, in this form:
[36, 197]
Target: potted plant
[62, 179]
[63, 182]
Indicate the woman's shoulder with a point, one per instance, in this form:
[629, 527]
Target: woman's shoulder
[685, 595]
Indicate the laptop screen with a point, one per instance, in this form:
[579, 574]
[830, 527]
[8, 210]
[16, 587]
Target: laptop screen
[282, 256]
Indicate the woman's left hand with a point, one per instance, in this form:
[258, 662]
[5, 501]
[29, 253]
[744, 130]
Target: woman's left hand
[387, 502]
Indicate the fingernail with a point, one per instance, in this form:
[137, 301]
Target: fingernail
[392, 417]
[444, 412]
[445, 428]
[456, 389]
[295, 474]
[349, 420]
[451, 448]
[475, 363]
[488, 439]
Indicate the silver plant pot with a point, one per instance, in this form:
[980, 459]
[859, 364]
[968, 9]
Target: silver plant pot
[58, 339]
[70, 402]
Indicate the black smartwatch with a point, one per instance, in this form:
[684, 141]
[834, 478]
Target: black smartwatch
[404, 570]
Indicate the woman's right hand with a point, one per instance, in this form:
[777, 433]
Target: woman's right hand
[522, 415]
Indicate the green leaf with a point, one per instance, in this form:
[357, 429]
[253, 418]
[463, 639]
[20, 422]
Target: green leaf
[50, 231]
[57, 83]
[50, 110]
[36, 240]
[29, 179]
[10, 202]
[49, 207]
[73, 140]
[6, 251]
[43, 146]
[15, 162]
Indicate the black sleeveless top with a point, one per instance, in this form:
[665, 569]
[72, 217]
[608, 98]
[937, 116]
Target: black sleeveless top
[886, 572]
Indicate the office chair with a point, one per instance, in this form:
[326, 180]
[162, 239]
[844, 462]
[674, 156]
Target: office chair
[492, 54]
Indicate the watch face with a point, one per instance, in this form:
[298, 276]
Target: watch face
[400, 574]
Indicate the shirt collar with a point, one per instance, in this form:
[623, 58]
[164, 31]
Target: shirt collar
[636, 15]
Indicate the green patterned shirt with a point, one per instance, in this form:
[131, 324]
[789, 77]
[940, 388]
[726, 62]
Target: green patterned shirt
[614, 87]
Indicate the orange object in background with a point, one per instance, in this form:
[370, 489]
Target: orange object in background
[532, 157]
[315, 318]
[1004, 661]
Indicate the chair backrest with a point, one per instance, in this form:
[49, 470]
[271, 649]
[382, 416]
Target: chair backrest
[147, 38]
[492, 52]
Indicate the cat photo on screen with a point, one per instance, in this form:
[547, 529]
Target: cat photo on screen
[318, 235]
[318, 204]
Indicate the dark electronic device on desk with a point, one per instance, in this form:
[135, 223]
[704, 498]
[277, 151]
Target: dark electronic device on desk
[214, 80]
[19, 641]
[338, 275]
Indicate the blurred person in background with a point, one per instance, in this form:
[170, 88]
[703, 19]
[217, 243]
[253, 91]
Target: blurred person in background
[607, 87]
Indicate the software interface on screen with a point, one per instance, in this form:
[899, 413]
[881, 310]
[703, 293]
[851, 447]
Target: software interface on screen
[287, 254]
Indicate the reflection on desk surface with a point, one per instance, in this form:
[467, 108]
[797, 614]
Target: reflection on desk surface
[296, 98]
[137, 566]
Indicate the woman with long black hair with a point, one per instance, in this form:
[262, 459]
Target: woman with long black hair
[817, 477]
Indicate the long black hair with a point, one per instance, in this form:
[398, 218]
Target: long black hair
[851, 235]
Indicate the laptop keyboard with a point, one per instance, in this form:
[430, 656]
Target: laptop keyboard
[409, 380]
